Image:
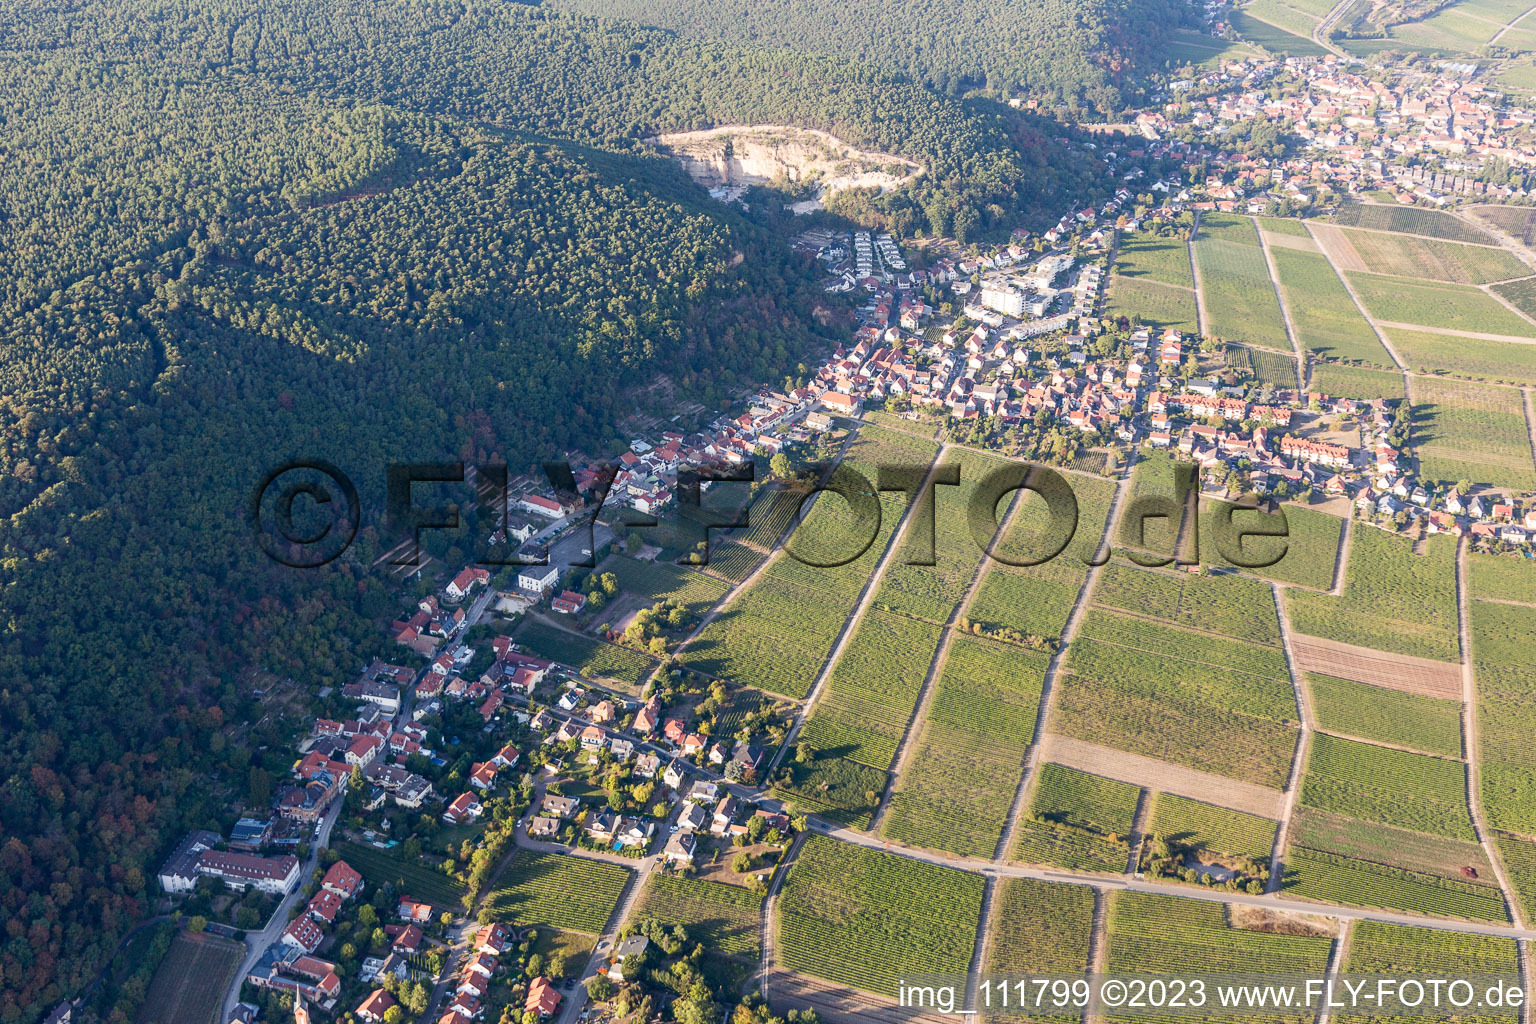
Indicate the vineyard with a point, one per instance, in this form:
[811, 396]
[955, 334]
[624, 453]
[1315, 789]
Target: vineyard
[1387, 716]
[1401, 951]
[1410, 220]
[1434, 259]
[1519, 857]
[725, 918]
[1233, 606]
[1154, 934]
[1199, 700]
[932, 591]
[1240, 302]
[1360, 883]
[956, 792]
[1037, 928]
[1036, 600]
[1077, 821]
[1501, 578]
[1393, 599]
[1463, 356]
[1326, 319]
[869, 697]
[1289, 226]
[1454, 307]
[1503, 637]
[1472, 432]
[189, 985]
[1216, 830]
[777, 633]
[591, 657]
[1310, 546]
[570, 893]
[413, 878]
[866, 919]
[1267, 366]
[1356, 382]
[1394, 787]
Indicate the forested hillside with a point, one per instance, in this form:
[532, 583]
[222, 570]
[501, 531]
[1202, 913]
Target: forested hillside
[1076, 53]
[237, 233]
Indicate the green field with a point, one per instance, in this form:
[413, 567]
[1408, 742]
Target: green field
[1393, 600]
[1503, 637]
[1292, 19]
[1201, 50]
[1164, 259]
[1307, 553]
[1356, 382]
[1197, 699]
[659, 581]
[956, 791]
[1156, 934]
[1036, 600]
[726, 918]
[1387, 716]
[1394, 787]
[1160, 305]
[1400, 951]
[777, 633]
[932, 591]
[1240, 302]
[1292, 226]
[1077, 821]
[1429, 304]
[1326, 319]
[869, 697]
[1434, 259]
[1271, 38]
[1501, 577]
[590, 656]
[1461, 356]
[863, 918]
[413, 878]
[1038, 928]
[574, 894]
[189, 985]
[1411, 220]
[1215, 830]
[1388, 845]
[1233, 606]
[1476, 432]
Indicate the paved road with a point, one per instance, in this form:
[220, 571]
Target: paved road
[257, 942]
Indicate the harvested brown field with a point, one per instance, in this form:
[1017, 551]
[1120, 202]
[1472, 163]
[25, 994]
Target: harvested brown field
[1290, 242]
[1162, 776]
[838, 1003]
[1335, 245]
[1280, 922]
[1421, 676]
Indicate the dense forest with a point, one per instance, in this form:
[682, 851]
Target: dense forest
[237, 233]
[1073, 53]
